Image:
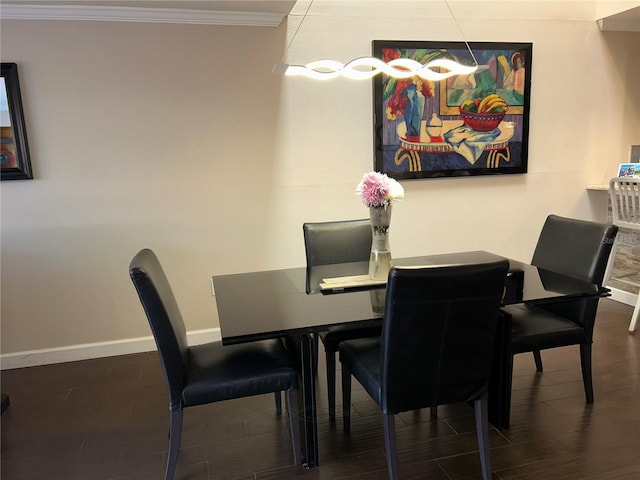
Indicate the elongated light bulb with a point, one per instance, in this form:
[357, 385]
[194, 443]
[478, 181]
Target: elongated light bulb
[363, 68]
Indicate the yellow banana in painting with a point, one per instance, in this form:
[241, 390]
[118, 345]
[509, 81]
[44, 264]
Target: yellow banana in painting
[491, 103]
[498, 107]
[496, 103]
[485, 100]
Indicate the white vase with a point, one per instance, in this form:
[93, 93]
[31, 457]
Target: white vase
[434, 127]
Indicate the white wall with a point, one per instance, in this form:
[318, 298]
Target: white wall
[178, 138]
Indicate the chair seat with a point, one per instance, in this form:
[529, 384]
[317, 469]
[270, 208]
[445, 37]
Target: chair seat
[535, 328]
[220, 372]
[362, 356]
[332, 337]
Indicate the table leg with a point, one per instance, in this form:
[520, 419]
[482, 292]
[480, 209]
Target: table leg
[309, 401]
[501, 373]
[303, 346]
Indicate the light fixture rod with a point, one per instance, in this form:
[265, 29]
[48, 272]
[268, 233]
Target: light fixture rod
[455, 20]
[367, 67]
[294, 35]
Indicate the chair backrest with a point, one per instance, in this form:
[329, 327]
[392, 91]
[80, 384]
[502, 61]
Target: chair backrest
[625, 202]
[337, 242]
[438, 334]
[165, 320]
[578, 249]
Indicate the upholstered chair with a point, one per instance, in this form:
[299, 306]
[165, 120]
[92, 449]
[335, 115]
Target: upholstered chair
[338, 242]
[436, 347]
[210, 372]
[575, 248]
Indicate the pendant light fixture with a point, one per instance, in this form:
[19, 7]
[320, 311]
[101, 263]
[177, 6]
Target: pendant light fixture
[363, 68]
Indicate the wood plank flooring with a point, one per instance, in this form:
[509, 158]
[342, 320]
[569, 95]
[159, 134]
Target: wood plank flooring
[106, 419]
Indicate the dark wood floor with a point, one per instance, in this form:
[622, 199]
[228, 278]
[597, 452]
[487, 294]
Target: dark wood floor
[106, 419]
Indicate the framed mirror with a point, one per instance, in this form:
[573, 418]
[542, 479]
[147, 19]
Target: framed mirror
[15, 163]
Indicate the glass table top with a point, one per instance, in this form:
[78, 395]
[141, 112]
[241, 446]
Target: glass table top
[260, 305]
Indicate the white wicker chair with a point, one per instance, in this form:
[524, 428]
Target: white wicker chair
[625, 206]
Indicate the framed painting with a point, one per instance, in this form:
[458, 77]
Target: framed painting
[15, 163]
[464, 125]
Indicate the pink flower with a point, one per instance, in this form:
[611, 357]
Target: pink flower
[377, 189]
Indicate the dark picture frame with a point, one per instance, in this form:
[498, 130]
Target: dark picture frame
[15, 162]
[446, 138]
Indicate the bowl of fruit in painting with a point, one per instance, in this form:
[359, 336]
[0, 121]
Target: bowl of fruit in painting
[483, 115]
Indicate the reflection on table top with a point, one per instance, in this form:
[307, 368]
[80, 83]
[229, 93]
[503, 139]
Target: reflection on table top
[259, 305]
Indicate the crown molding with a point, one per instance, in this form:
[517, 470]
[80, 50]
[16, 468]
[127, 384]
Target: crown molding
[137, 14]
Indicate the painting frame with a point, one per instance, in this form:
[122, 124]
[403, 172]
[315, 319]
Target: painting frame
[454, 146]
[15, 161]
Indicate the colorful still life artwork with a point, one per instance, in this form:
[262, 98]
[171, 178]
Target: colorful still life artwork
[474, 124]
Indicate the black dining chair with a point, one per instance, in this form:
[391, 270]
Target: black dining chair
[210, 372]
[575, 248]
[436, 347]
[338, 242]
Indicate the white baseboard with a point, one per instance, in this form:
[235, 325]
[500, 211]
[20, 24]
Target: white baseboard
[86, 351]
[623, 297]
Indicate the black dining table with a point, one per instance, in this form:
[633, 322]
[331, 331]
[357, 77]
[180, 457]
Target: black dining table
[295, 303]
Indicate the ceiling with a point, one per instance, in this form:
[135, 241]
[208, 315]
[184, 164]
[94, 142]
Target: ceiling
[221, 12]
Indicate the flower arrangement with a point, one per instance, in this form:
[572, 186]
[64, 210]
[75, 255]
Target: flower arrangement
[401, 91]
[377, 189]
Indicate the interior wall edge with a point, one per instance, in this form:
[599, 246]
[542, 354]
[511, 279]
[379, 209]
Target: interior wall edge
[72, 353]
